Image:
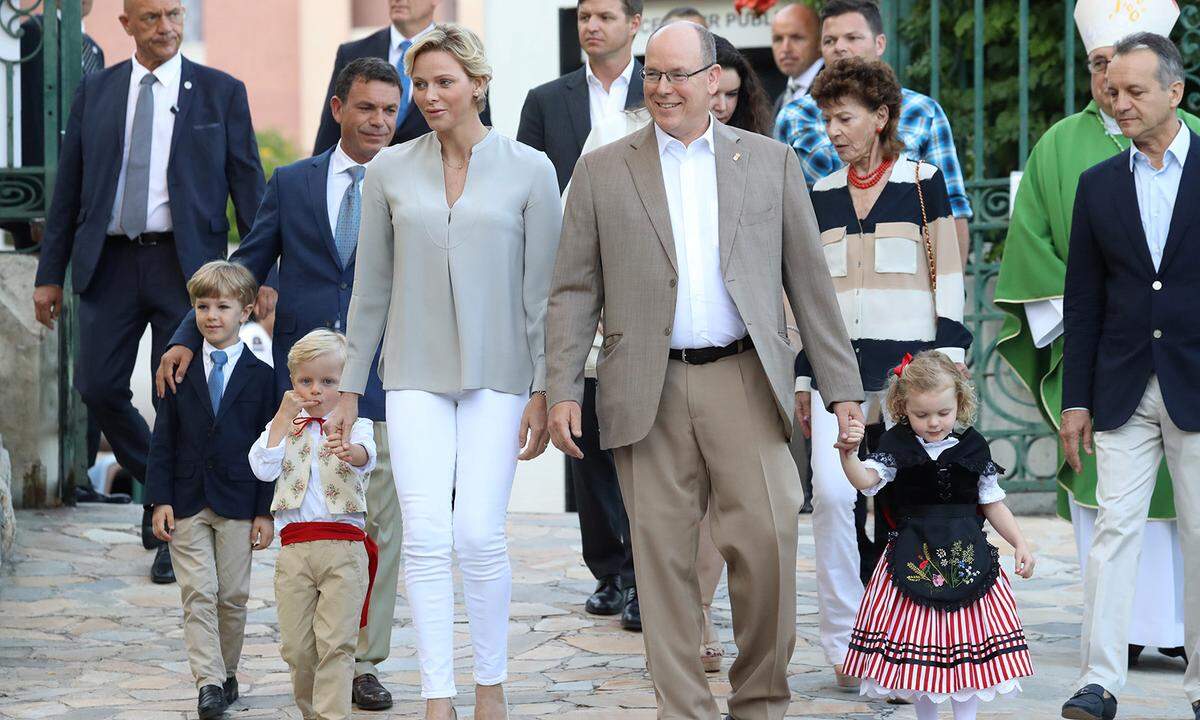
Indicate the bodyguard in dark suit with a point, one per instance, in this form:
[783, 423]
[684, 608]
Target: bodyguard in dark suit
[558, 115]
[155, 146]
[556, 119]
[308, 223]
[410, 20]
[1131, 357]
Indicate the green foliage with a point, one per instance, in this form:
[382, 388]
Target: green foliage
[274, 151]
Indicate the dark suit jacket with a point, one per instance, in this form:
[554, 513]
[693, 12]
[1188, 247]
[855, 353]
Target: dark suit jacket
[1123, 320]
[377, 44]
[198, 461]
[214, 156]
[292, 227]
[557, 118]
[33, 98]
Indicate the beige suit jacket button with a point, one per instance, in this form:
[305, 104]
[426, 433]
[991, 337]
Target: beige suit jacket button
[667, 331]
[672, 283]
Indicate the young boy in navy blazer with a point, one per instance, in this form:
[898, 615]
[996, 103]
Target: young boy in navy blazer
[207, 503]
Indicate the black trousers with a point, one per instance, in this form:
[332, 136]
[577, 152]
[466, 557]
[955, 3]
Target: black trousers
[134, 286]
[603, 525]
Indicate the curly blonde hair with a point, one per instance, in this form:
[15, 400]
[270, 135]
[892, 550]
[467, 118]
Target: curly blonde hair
[931, 371]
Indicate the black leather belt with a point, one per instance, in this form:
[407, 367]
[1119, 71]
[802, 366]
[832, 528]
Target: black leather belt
[146, 239]
[703, 356]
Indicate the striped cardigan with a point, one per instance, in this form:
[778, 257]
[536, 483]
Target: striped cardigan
[880, 271]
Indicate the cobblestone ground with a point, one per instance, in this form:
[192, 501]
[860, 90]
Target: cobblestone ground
[84, 634]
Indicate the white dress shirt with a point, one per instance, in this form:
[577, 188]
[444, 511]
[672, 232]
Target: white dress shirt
[605, 104]
[166, 102]
[336, 183]
[802, 83]
[232, 353]
[705, 315]
[989, 485]
[397, 38]
[267, 465]
[1158, 188]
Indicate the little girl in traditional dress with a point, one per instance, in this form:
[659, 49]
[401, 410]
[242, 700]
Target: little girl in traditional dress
[938, 620]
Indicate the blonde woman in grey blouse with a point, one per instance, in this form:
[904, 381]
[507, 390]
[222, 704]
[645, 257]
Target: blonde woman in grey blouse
[456, 248]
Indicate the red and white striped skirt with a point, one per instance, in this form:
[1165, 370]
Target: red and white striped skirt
[903, 649]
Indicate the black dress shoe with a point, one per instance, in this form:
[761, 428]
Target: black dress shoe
[212, 702]
[161, 570]
[369, 694]
[1196, 709]
[148, 540]
[607, 600]
[631, 616]
[1090, 702]
[806, 508]
[1135, 654]
[231, 689]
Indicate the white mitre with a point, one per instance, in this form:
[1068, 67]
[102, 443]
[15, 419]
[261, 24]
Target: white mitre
[1102, 23]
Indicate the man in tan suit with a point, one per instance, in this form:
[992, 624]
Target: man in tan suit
[686, 234]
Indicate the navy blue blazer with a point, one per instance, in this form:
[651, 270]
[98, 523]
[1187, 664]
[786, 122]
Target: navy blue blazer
[214, 156]
[198, 460]
[1123, 321]
[292, 227]
[376, 45]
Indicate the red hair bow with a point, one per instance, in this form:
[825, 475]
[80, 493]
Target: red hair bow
[758, 7]
[302, 422]
[899, 369]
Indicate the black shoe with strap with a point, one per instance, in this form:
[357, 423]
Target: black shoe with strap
[369, 694]
[212, 702]
[631, 616]
[161, 570]
[607, 600]
[1090, 702]
[1196, 709]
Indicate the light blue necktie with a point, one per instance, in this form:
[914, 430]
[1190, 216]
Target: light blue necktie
[405, 85]
[216, 379]
[346, 234]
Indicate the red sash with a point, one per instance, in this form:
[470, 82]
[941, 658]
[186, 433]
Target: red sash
[311, 531]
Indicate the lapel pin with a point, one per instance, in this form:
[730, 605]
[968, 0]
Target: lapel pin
[737, 156]
[187, 84]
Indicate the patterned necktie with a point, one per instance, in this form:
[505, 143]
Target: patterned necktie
[405, 85]
[793, 86]
[91, 56]
[216, 379]
[137, 168]
[346, 235]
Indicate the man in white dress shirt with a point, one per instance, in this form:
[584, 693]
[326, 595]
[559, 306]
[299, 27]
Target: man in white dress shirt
[796, 47]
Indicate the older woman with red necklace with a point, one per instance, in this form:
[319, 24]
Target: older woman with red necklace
[891, 247]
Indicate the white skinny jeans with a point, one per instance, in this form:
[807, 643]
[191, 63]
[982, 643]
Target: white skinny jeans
[453, 459]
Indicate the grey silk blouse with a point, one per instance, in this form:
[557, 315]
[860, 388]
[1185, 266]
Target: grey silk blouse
[459, 294]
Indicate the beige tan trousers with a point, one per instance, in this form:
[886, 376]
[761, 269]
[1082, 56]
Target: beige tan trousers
[319, 589]
[384, 527]
[718, 443]
[1127, 461]
[211, 557]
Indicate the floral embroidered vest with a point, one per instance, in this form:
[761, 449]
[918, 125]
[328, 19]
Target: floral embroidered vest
[343, 488]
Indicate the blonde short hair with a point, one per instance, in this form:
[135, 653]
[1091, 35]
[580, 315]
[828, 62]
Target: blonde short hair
[931, 371]
[223, 279]
[463, 45]
[317, 343]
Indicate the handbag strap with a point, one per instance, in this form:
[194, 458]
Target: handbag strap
[929, 256]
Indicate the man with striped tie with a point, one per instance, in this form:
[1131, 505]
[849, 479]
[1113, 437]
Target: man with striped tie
[410, 20]
[316, 276]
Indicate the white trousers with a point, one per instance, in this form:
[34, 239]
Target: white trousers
[839, 585]
[1127, 460]
[453, 459]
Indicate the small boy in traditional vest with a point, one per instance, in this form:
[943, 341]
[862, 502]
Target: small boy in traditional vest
[207, 505]
[323, 573]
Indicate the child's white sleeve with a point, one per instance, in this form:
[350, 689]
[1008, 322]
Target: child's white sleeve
[266, 462]
[363, 433]
[990, 490]
[887, 473]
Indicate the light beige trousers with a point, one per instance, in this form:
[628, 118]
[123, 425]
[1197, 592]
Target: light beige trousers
[211, 557]
[717, 443]
[319, 589]
[384, 527]
[1127, 461]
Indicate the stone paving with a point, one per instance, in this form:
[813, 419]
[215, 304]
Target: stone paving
[85, 635]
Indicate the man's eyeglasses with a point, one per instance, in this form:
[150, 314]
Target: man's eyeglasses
[652, 77]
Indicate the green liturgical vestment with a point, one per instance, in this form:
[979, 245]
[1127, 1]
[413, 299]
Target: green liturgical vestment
[1034, 268]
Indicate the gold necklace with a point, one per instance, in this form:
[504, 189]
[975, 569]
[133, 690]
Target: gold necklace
[452, 166]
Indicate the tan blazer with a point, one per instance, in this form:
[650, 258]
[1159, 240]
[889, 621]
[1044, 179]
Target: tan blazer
[617, 253]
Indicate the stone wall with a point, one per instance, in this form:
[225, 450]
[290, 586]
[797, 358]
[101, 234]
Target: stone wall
[7, 520]
[29, 392]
